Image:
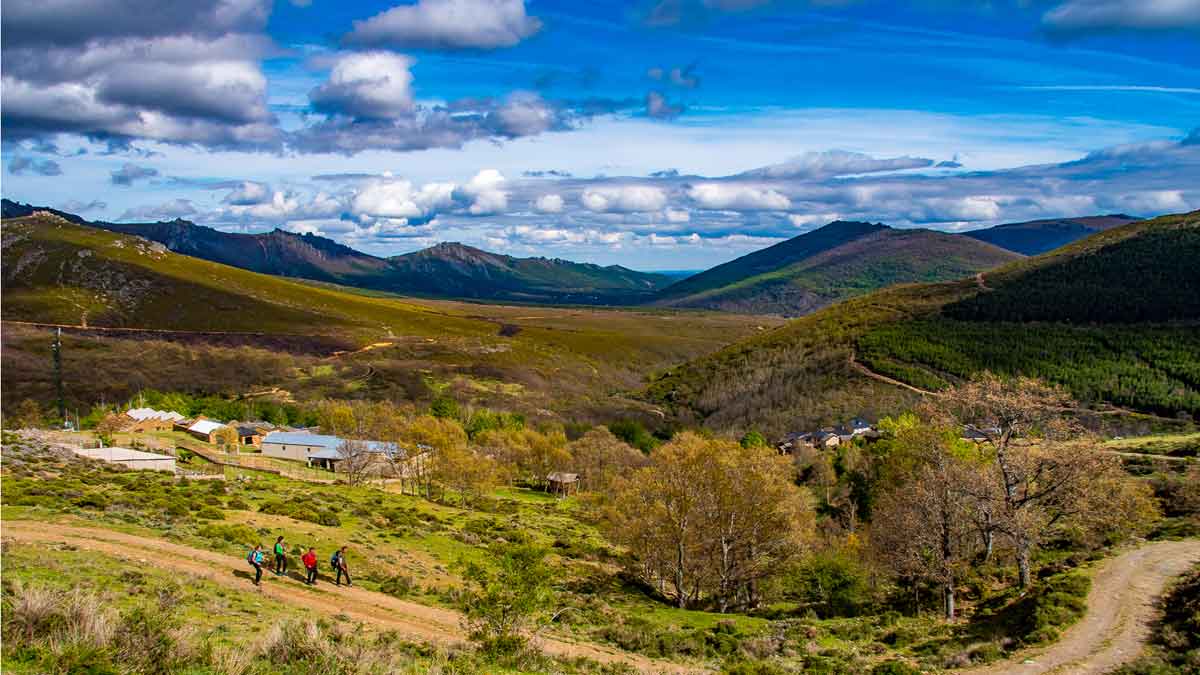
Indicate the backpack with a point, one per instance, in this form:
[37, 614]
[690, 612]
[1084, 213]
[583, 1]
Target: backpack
[336, 560]
[250, 557]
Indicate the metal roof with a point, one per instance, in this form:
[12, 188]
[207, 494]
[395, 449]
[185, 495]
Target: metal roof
[302, 438]
[205, 426]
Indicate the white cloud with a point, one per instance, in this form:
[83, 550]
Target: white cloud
[550, 203]
[486, 192]
[247, 193]
[677, 215]
[370, 85]
[1093, 15]
[454, 24]
[836, 163]
[738, 197]
[623, 199]
[396, 198]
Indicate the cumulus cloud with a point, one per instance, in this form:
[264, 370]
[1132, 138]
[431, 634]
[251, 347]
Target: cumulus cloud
[248, 193]
[370, 85]
[1106, 15]
[134, 69]
[20, 165]
[677, 215]
[176, 208]
[738, 197]
[398, 198]
[485, 193]
[836, 163]
[130, 173]
[448, 24]
[623, 199]
[550, 203]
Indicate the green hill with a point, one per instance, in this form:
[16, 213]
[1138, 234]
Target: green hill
[1040, 320]
[447, 270]
[835, 262]
[178, 323]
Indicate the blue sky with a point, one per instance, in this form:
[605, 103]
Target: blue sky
[666, 134]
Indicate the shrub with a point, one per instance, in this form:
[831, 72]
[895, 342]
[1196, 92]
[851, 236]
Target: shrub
[233, 533]
[399, 586]
[237, 504]
[210, 513]
[833, 582]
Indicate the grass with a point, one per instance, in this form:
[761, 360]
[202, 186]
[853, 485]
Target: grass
[557, 362]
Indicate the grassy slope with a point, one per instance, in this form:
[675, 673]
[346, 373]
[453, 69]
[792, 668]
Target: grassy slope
[568, 361]
[864, 264]
[800, 375]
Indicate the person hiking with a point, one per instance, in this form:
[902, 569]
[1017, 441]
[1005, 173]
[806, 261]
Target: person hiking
[310, 564]
[280, 556]
[255, 558]
[338, 562]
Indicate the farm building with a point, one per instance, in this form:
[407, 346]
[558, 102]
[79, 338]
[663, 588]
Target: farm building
[252, 433]
[563, 484]
[149, 419]
[204, 429]
[324, 451]
[134, 459]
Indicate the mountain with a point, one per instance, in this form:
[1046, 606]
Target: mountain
[462, 271]
[1114, 318]
[445, 270]
[1038, 236]
[832, 263]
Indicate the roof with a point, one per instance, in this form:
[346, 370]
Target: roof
[121, 454]
[247, 430]
[562, 477]
[142, 414]
[302, 438]
[205, 426]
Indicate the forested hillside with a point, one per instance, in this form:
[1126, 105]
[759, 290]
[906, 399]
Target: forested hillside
[1039, 236]
[1112, 317]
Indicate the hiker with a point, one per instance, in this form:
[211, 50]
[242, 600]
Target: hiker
[280, 556]
[338, 562]
[310, 564]
[255, 558]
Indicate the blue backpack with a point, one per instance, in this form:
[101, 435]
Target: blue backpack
[336, 560]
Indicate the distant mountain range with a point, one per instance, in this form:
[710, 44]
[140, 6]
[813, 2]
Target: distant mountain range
[792, 278]
[444, 270]
[1038, 236]
[834, 262]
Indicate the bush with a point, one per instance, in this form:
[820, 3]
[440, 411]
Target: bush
[833, 582]
[398, 586]
[233, 533]
[210, 513]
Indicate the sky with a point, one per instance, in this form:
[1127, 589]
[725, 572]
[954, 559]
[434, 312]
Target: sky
[655, 134]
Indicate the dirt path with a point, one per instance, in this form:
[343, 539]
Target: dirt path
[419, 622]
[1121, 606]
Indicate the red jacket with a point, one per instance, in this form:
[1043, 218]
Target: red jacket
[309, 559]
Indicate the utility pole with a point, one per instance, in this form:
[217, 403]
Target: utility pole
[56, 348]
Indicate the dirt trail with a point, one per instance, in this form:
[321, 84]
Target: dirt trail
[419, 622]
[1121, 606]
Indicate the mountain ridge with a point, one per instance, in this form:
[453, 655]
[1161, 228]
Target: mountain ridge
[447, 269]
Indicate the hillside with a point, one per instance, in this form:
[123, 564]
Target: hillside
[824, 367]
[445, 270]
[458, 270]
[159, 320]
[832, 263]
[1039, 236]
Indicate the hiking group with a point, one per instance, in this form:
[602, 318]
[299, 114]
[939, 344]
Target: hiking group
[337, 562]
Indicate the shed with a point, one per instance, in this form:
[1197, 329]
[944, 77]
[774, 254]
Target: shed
[205, 430]
[562, 483]
[134, 459]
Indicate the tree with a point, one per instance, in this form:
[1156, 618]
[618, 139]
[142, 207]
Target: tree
[227, 439]
[357, 461]
[467, 472]
[753, 439]
[533, 454]
[425, 436]
[28, 415]
[505, 599]
[599, 458]
[1040, 459]
[108, 426]
[709, 520]
[924, 528]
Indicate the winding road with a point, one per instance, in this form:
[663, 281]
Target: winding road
[1121, 607]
